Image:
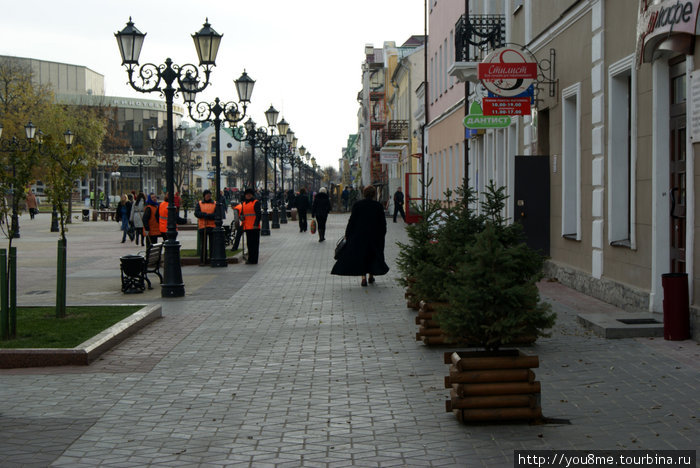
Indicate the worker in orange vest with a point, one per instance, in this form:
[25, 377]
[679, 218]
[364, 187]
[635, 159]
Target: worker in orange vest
[204, 212]
[251, 215]
[151, 225]
[163, 217]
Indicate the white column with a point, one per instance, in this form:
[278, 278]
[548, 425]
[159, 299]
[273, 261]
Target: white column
[597, 136]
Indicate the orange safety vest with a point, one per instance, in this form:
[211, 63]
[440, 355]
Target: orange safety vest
[239, 209]
[153, 227]
[163, 215]
[248, 215]
[206, 208]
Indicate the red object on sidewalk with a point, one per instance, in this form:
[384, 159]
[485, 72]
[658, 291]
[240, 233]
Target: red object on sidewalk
[676, 309]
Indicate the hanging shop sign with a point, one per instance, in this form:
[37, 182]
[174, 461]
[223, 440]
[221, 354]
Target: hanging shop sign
[670, 22]
[507, 71]
[477, 119]
[506, 106]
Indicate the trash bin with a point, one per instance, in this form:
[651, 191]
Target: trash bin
[133, 278]
[676, 309]
[86, 214]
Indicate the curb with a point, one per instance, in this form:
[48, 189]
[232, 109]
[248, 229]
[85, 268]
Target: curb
[84, 353]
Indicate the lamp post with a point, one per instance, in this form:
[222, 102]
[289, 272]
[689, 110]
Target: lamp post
[160, 79]
[313, 183]
[287, 152]
[271, 116]
[13, 146]
[213, 112]
[283, 128]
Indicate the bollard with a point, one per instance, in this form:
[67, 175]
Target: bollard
[676, 310]
[12, 269]
[61, 279]
[4, 309]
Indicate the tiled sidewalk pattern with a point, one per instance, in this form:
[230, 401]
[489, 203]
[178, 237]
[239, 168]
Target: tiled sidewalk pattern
[281, 364]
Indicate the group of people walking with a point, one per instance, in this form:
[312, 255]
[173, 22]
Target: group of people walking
[143, 219]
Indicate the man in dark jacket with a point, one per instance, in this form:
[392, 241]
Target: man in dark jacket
[302, 205]
[398, 204]
[319, 210]
[204, 212]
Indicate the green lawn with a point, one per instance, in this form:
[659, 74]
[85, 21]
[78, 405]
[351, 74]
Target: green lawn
[38, 327]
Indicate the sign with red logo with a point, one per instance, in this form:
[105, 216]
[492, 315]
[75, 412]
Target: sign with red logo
[506, 106]
[507, 71]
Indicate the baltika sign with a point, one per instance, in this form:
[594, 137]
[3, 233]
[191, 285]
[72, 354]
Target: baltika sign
[508, 72]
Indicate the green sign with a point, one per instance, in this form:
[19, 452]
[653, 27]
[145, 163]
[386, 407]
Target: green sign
[477, 119]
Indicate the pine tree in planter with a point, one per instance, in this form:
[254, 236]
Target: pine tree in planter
[494, 301]
[493, 293]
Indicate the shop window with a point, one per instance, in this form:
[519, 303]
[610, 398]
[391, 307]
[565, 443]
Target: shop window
[571, 163]
[622, 147]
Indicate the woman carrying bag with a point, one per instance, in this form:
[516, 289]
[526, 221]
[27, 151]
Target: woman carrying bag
[319, 210]
[363, 253]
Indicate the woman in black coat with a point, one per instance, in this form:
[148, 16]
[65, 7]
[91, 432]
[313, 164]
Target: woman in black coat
[364, 252]
[319, 210]
[301, 202]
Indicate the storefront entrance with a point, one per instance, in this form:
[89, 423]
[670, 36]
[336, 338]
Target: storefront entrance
[677, 159]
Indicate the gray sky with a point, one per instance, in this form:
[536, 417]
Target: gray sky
[305, 55]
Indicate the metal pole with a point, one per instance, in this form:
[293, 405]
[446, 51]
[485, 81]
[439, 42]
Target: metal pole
[265, 221]
[172, 286]
[12, 264]
[275, 211]
[283, 214]
[218, 253]
[4, 300]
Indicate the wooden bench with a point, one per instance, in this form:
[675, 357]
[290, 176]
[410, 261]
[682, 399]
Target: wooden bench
[104, 215]
[152, 259]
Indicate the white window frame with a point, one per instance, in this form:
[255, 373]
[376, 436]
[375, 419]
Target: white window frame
[621, 197]
[571, 162]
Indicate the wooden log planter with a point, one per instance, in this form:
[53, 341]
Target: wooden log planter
[497, 386]
[429, 331]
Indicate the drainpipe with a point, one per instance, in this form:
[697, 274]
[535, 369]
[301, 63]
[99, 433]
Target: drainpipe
[426, 102]
[466, 108]
[690, 186]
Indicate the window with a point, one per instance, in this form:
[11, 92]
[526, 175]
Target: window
[441, 70]
[432, 79]
[622, 148]
[452, 55]
[213, 161]
[229, 161]
[571, 163]
[213, 145]
[444, 69]
[199, 182]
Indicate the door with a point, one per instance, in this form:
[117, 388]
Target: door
[531, 200]
[677, 158]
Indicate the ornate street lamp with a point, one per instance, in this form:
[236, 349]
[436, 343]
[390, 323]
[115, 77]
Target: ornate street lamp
[160, 79]
[286, 154]
[13, 146]
[283, 128]
[218, 113]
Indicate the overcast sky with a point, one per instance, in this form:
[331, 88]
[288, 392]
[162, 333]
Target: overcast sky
[305, 55]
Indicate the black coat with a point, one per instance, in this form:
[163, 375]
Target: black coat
[301, 202]
[321, 206]
[364, 252]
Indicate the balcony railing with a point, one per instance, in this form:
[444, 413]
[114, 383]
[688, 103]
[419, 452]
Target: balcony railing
[484, 32]
[395, 130]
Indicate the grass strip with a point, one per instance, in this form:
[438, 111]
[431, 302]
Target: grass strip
[38, 327]
[193, 253]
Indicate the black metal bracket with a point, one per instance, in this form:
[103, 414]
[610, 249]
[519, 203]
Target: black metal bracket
[546, 76]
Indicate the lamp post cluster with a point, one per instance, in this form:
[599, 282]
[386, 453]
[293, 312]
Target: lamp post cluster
[168, 79]
[15, 145]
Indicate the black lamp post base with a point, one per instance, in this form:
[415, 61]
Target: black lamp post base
[54, 221]
[283, 215]
[172, 286]
[275, 218]
[265, 224]
[218, 254]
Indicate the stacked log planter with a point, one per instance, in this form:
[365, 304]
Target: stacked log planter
[493, 386]
[429, 331]
[411, 299]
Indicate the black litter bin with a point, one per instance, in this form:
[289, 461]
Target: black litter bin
[133, 277]
[86, 215]
[676, 309]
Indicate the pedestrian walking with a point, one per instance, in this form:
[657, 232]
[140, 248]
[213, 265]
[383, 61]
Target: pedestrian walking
[364, 252]
[251, 213]
[204, 212]
[345, 197]
[319, 210]
[237, 217]
[302, 204]
[151, 224]
[398, 204]
[137, 211]
[122, 214]
[32, 204]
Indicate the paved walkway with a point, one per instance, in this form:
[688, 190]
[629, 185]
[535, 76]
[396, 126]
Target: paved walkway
[281, 364]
